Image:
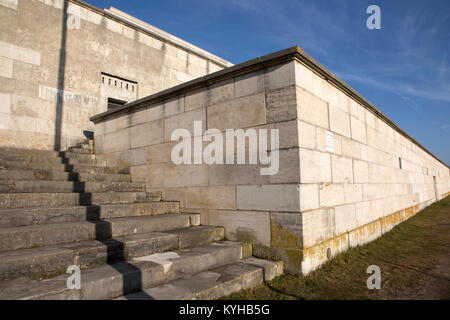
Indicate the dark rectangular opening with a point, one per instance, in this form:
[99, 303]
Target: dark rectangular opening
[400, 163]
[115, 103]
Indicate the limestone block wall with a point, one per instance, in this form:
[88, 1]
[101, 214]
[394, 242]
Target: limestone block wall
[33, 53]
[363, 174]
[339, 182]
[236, 196]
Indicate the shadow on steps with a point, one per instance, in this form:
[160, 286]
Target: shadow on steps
[115, 250]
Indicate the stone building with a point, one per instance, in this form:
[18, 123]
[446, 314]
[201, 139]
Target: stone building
[122, 208]
[59, 69]
[347, 173]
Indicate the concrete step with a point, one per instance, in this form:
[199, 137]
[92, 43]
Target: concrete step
[215, 283]
[43, 215]
[122, 278]
[26, 200]
[11, 186]
[87, 168]
[51, 261]
[58, 233]
[50, 175]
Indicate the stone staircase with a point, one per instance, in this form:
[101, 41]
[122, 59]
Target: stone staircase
[68, 208]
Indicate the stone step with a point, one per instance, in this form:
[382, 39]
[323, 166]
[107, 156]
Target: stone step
[85, 143]
[30, 158]
[26, 200]
[154, 196]
[82, 161]
[81, 150]
[50, 160]
[73, 155]
[11, 186]
[157, 223]
[88, 143]
[61, 167]
[42, 215]
[13, 238]
[51, 261]
[50, 175]
[25, 152]
[122, 278]
[215, 283]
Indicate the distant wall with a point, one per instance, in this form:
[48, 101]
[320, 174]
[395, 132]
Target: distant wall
[339, 182]
[105, 54]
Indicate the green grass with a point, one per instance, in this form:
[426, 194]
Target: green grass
[406, 256]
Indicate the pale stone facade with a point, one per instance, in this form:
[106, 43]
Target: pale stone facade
[339, 183]
[347, 173]
[99, 54]
[373, 179]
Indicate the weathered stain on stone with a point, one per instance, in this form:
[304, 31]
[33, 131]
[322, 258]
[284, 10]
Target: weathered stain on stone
[409, 212]
[319, 252]
[247, 250]
[281, 237]
[390, 221]
[292, 258]
[246, 235]
[122, 165]
[43, 175]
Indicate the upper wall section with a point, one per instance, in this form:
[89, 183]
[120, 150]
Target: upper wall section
[291, 76]
[54, 74]
[167, 37]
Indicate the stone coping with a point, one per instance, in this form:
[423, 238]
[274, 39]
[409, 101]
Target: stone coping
[289, 54]
[117, 15]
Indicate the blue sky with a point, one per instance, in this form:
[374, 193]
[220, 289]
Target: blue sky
[403, 69]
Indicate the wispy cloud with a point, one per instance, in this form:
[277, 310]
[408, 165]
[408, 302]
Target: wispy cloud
[441, 92]
[303, 23]
[412, 60]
